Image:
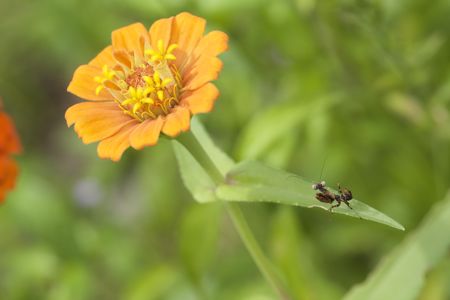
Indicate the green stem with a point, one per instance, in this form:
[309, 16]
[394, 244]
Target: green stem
[264, 265]
[191, 143]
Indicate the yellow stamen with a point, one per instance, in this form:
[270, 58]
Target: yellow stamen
[128, 101]
[160, 95]
[149, 90]
[171, 48]
[156, 79]
[161, 46]
[166, 82]
[132, 91]
[136, 107]
[107, 75]
[170, 57]
[99, 89]
[160, 54]
[148, 80]
[148, 101]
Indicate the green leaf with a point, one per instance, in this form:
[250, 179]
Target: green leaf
[154, 284]
[401, 274]
[194, 177]
[282, 119]
[255, 182]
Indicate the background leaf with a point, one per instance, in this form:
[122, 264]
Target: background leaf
[199, 235]
[154, 284]
[401, 274]
[267, 129]
[291, 251]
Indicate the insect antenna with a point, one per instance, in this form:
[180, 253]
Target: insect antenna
[323, 167]
[330, 219]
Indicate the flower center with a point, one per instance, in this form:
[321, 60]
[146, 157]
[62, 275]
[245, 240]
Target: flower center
[147, 89]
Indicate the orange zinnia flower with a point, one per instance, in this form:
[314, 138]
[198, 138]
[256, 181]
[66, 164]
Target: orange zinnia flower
[145, 83]
[9, 144]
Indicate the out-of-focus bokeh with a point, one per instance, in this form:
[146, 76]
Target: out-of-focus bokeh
[355, 92]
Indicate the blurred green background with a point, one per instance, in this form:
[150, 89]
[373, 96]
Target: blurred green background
[359, 87]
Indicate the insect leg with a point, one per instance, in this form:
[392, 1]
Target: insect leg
[348, 204]
[335, 205]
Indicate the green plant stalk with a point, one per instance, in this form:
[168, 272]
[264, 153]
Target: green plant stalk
[191, 143]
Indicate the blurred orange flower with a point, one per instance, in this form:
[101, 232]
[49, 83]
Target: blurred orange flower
[8, 175]
[9, 144]
[145, 83]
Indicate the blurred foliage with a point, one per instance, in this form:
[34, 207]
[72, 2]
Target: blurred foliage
[401, 274]
[361, 87]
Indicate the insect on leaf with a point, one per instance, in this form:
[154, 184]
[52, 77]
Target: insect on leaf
[254, 182]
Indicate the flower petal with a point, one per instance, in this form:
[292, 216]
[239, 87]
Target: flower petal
[8, 175]
[188, 30]
[161, 30]
[146, 133]
[83, 84]
[206, 69]
[212, 44]
[123, 58]
[129, 38]
[177, 121]
[96, 121]
[9, 139]
[204, 66]
[104, 58]
[201, 100]
[114, 146]
[84, 108]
